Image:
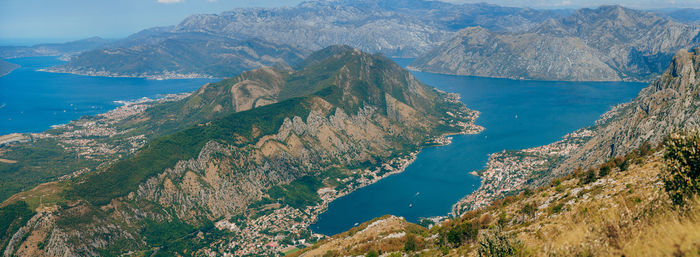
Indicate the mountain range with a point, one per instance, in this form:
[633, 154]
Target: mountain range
[402, 28]
[260, 147]
[222, 45]
[65, 50]
[610, 43]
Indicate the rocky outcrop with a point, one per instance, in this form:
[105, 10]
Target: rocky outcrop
[604, 44]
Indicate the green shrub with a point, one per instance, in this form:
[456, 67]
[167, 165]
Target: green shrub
[372, 253]
[682, 174]
[495, 243]
[623, 162]
[557, 208]
[410, 244]
[588, 177]
[460, 234]
[529, 209]
[604, 171]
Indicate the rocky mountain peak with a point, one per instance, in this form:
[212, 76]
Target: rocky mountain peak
[685, 65]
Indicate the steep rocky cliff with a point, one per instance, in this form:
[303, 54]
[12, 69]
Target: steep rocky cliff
[607, 43]
[347, 118]
[670, 103]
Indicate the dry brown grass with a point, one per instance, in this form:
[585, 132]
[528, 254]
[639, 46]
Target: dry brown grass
[626, 213]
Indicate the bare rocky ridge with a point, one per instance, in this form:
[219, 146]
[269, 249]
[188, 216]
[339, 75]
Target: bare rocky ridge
[476, 51]
[609, 43]
[398, 28]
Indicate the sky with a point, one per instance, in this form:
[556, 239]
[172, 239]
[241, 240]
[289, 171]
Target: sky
[25, 22]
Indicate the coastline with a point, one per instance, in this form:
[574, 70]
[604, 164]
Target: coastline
[125, 106]
[508, 172]
[8, 68]
[253, 238]
[416, 69]
[158, 76]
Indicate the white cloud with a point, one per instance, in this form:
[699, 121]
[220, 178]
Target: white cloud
[169, 1]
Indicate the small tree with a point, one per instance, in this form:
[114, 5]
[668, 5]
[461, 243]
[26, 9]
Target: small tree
[410, 244]
[682, 175]
[372, 253]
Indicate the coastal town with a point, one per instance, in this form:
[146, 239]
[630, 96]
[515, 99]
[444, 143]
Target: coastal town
[286, 229]
[93, 138]
[508, 171]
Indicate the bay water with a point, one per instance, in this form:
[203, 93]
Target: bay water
[517, 114]
[33, 101]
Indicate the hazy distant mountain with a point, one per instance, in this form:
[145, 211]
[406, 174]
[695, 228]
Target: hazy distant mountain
[61, 49]
[395, 28]
[685, 15]
[607, 43]
[182, 55]
[210, 45]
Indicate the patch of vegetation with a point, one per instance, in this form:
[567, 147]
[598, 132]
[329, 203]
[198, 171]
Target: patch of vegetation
[125, 176]
[12, 218]
[459, 234]
[39, 161]
[495, 243]
[682, 174]
[299, 193]
[177, 238]
[410, 244]
[372, 253]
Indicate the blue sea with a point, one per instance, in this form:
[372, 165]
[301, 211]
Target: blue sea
[32, 101]
[516, 114]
